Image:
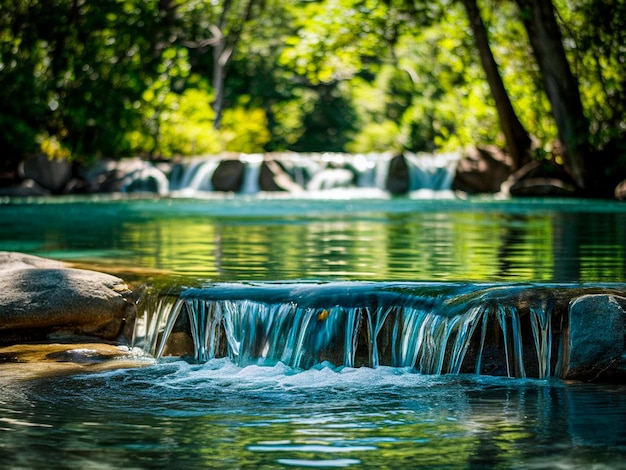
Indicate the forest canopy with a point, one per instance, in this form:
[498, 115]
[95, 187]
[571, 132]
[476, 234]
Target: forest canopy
[163, 78]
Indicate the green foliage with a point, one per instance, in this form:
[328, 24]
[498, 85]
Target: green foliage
[70, 69]
[598, 56]
[288, 118]
[330, 122]
[376, 137]
[244, 130]
[333, 39]
[176, 124]
[122, 77]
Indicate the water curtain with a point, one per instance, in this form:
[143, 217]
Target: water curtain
[433, 328]
[312, 172]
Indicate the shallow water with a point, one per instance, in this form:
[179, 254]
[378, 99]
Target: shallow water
[222, 416]
[219, 415]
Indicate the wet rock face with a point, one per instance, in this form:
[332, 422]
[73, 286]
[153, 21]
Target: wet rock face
[570, 332]
[229, 176]
[596, 337]
[42, 299]
[398, 177]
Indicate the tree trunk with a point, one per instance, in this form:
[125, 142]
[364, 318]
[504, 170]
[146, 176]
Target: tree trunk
[517, 139]
[560, 84]
[221, 59]
[228, 36]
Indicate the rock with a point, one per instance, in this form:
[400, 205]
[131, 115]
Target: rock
[10, 260]
[25, 188]
[482, 170]
[228, 176]
[179, 344]
[620, 191]
[130, 175]
[594, 345]
[540, 178]
[32, 361]
[42, 299]
[148, 179]
[542, 187]
[273, 177]
[52, 174]
[398, 175]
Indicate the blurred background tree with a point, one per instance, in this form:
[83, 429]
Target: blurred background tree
[168, 78]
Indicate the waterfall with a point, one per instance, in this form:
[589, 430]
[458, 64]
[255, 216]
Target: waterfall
[197, 176]
[314, 172]
[431, 171]
[252, 163]
[434, 328]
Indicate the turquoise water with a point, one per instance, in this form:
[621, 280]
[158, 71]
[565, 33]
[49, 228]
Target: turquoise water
[251, 238]
[221, 415]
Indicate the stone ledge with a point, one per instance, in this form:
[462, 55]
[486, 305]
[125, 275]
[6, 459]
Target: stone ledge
[33, 361]
[42, 299]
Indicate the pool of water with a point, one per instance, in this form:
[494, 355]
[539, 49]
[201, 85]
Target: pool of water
[221, 415]
[252, 238]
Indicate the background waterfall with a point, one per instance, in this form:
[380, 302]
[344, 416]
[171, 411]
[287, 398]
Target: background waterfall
[310, 172]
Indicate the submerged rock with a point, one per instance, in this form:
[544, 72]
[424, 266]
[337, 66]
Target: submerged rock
[43, 299]
[32, 361]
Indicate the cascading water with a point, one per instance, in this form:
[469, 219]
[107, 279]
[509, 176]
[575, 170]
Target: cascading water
[434, 328]
[313, 172]
[434, 172]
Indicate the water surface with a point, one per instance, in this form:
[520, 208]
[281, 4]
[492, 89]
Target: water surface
[220, 415]
[251, 238]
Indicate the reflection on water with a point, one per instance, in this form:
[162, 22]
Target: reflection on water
[218, 415]
[239, 238]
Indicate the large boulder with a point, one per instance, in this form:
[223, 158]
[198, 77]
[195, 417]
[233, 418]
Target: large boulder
[228, 176]
[593, 347]
[274, 177]
[482, 170]
[50, 173]
[43, 299]
[399, 175]
[539, 179]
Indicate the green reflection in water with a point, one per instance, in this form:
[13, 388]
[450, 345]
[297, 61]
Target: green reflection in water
[238, 239]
